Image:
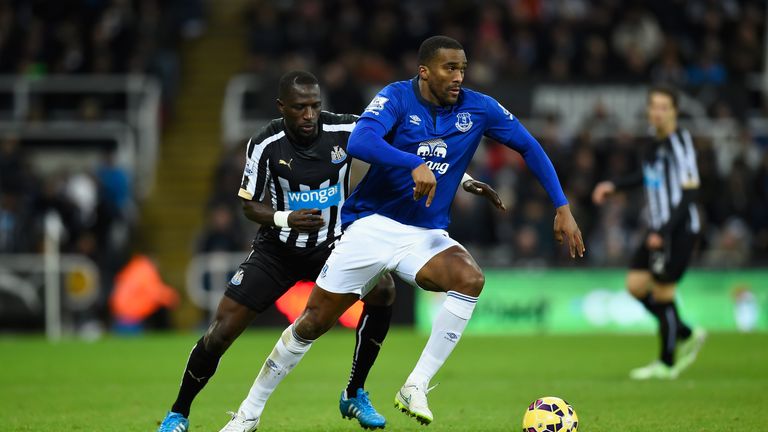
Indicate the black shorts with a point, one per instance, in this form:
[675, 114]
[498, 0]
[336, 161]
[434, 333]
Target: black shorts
[668, 264]
[271, 269]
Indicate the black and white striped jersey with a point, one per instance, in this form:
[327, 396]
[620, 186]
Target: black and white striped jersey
[301, 176]
[670, 173]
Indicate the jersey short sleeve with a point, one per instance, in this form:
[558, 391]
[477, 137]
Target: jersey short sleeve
[256, 174]
[385, 107]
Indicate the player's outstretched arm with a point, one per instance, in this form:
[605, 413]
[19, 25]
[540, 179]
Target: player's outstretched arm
[566, 228]
[305, 220]
[606, 188]
[505, 128]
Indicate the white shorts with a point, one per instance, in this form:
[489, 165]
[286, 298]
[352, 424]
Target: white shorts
[376, 245]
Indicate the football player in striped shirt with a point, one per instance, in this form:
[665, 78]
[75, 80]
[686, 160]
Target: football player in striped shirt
[671, 179]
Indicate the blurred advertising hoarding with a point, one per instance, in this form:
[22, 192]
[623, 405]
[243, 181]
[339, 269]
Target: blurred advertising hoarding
[581, 301]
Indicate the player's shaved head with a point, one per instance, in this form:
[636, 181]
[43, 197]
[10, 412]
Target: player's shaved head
[429, 48]
[294, 78]
[299, 102]
[442, 63]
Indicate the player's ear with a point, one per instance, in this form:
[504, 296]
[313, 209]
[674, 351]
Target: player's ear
[423, 73]
[280, 105]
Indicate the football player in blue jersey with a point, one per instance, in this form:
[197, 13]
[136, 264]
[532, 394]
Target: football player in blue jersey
[419, 137]
[300, 158]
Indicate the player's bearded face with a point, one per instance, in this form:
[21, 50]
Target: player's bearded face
[301, 110]
[445, 74]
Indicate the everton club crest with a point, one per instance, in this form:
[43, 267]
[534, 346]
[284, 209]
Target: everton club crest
[338, 155]
[463, 121]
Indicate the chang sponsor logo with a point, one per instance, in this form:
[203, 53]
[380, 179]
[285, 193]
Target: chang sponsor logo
[441, 167]
[435, 148]
[318, 198]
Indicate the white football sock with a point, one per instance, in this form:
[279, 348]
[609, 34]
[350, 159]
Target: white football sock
[446, 332]
[284, 357]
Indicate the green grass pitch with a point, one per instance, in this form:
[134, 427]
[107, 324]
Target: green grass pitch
[128, 384]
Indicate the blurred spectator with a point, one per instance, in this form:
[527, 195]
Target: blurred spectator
[731, 246]
[472, 222]
[116, 183]
[670, 68]
[14, 177]
[14, 234]
[81, 190]
[103, 37]
[222, 233]
[141, 297]
[227, 178]
[528, 248]
[52, 197]
[749, 56]
[343, 92]
[638, 39]
[708, 68]
[594, 63]
[760, 215]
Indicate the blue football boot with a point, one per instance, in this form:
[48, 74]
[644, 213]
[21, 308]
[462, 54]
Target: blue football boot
[174, 422]
[360, 407]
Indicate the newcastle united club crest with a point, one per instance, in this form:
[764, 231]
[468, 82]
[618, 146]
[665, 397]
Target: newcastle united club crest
[338, 155]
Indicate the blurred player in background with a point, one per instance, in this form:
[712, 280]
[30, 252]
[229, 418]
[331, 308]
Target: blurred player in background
[301, 159]
[419, 137]
[671, 179]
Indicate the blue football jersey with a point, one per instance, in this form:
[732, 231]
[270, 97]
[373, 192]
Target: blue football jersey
[445, 138]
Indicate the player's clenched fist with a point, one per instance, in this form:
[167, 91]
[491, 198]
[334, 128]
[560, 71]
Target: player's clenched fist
[305, 220]
[425, 183]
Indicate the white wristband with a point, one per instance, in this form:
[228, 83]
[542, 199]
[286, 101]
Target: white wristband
[281, 219]
[466, 178]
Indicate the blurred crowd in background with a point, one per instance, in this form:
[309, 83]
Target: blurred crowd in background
[96, 204]
[733, 201]
[80, 37]
[354, 43]
[710, 48]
